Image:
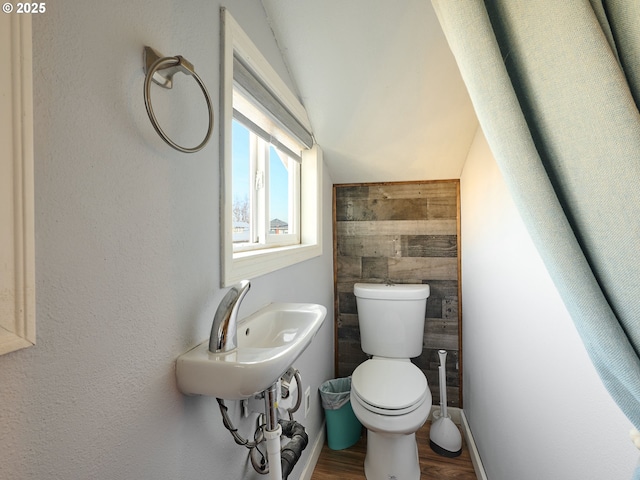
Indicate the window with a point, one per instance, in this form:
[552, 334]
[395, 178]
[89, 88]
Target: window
[265, 189]
[271, 169]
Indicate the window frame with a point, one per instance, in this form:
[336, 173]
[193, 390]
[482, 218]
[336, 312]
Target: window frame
[260, 199]
[249, 264]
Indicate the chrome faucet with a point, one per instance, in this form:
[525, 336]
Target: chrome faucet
[224, 331]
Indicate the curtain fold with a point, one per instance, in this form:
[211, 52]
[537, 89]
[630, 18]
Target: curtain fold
[556, 87]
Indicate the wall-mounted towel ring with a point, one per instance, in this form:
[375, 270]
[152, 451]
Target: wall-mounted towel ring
[161, 70]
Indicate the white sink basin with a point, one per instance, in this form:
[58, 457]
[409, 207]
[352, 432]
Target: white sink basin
[269, 341]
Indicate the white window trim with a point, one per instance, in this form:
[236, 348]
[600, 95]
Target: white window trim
[250, 264]
[17, 261]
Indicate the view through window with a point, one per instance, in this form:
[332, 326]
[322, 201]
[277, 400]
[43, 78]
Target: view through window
[265, 192]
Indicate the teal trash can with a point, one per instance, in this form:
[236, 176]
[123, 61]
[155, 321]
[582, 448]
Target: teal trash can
[343, 428]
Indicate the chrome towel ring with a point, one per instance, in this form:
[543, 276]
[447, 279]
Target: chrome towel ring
[161, 70]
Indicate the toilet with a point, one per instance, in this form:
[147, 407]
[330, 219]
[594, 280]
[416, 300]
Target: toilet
[389, 394]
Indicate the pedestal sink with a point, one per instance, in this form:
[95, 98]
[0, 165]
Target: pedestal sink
[269, 341]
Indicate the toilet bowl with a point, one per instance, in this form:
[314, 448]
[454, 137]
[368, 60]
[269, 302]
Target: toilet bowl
[389, 394]
[392, 407]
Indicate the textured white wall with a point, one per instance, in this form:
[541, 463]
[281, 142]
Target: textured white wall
[534, 402]
[127, 254]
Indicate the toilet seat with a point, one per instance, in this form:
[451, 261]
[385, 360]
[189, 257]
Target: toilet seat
[389, 387]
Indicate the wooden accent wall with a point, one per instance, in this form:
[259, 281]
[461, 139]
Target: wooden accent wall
[404, 233]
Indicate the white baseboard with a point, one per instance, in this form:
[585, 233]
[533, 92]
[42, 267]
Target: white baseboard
[307, 472]
[458, 417]
[473, 449]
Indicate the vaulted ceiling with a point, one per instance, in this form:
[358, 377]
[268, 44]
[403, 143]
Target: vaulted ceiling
[380, 85]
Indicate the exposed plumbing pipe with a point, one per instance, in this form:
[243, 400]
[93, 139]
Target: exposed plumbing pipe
[259, 466]
[226, 421]
[286, 389]
[292, 451]
[280, 460]
[272, 433]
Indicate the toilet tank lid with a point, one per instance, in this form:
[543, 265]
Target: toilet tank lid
[382, 291]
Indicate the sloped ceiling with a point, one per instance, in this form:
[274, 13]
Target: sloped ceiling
[380, 85]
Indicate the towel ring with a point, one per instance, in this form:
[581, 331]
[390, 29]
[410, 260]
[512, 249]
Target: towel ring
[154, 64]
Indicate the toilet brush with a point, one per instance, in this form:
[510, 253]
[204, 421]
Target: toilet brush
[444, 434]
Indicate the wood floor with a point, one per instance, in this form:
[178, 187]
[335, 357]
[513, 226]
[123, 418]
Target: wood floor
[348, 464]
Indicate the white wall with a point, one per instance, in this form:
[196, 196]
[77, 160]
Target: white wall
[535, 405]
[127, 254]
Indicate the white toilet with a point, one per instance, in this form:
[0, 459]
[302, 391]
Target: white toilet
[389, 394]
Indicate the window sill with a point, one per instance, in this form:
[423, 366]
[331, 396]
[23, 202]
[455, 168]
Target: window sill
[251, 264]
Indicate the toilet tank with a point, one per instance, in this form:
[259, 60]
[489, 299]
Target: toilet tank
[391, 318]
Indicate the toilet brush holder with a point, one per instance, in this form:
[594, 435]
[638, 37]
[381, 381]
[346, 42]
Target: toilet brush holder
[445, 438]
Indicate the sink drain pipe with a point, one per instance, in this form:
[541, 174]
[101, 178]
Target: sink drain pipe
[292, 451]
[272, 432]
[281, 460]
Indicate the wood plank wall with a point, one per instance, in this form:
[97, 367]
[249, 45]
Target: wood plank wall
[404, 233]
